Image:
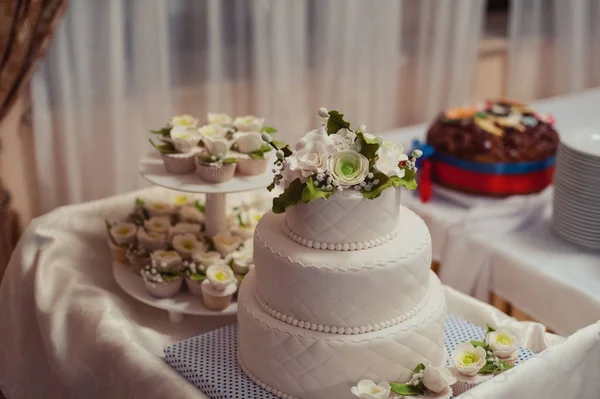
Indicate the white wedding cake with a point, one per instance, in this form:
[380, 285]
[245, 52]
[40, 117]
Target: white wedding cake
[342, 289]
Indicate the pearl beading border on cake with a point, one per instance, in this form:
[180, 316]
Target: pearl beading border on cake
[261, 384]
[352, 246]
[335, 329]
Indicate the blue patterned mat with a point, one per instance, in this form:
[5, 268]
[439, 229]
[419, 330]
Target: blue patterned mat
[209, 360]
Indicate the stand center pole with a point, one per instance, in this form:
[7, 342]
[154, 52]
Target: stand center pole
[216, 213]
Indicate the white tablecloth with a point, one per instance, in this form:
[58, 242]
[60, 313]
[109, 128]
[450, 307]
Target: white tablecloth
[68, 331]
[506, 246]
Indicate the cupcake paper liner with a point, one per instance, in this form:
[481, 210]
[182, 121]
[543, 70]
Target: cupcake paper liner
[178, 164]
[464, 383]
[118, 253]
[215, 173]
[164, 290]
[216, 302]
[251, 166]
[194, 287]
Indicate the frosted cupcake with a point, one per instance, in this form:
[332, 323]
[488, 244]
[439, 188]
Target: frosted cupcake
[178, 144]
[213, 164]
[163, 277]
[241, 261]
[158, 224]
[195, 274]
[151, 240]
[503, 344]
[120, 236]
[218, 287]
[158, 208]
[208, 258]
[187, 244]
[226, 243]
[138, 257]
[252, 159]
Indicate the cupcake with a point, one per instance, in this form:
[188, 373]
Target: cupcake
[218, 287]
[208, 258]
[138, 257]
[178, 144]
[120, 236]
[191, 213]
[187, 244]
[184, 228]
[504, 345]
[158, 224]
[226, 243]
[213, 164]
[195, 274]
[252, 160]
[151, 240]
[158, 208]
[163, 277]
[472, 366]
[241, 261]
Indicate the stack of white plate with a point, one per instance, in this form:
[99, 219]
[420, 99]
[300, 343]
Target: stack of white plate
[576, 215]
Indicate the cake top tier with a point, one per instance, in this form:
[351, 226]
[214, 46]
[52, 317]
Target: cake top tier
[335, 158]
[494, 131]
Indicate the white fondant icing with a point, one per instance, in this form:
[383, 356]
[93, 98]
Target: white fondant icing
[303, 363]
[345, 217]
[343, 289]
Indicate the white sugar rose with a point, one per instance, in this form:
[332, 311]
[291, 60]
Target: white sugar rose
[348, 167]
[344, 139]
[469, 359]
[151, 240]
[213, 131]
[311, 156]
[248, 142]
[219, 119]
[187, 244]
[437, 379]
[123, 233]
[160, 224]
[220, 276]
[503, 344]
[389, 155]
[184, 121]
[216, 147]
[207, 258]
[248, 123]
[185, 139]
[367, 389]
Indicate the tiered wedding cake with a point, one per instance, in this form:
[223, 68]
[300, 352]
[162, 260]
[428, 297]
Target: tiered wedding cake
[342, 289]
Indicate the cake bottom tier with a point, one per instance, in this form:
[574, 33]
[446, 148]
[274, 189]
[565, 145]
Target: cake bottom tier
[293, 362]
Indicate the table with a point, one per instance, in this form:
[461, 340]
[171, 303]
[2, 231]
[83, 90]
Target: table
[68, 331]
[529, 255]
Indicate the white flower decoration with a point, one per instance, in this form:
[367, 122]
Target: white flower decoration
[213, 131]
[158, 208]
[185, 139]
[348, 167]
[152, 240]
[160, 224]
[242, 259]
[184, 228]
[220, 276]
[367, 389]
[311, 156]
[219, 119]
[123, 233]
[389, 155]
[437, 379]
[226, 243]
[248, 123]
[184, 121]
[503, 344]
[216, 147]
[344, 139]
[191, 214]
[248, 142]
[165, 260]
[469, 359]
[187, 244]
[207, 259]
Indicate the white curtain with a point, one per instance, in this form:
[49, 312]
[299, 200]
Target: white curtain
[553, 48]
[118, 68]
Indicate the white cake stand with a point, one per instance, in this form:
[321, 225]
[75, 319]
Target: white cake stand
[176, 307]
[151, 168]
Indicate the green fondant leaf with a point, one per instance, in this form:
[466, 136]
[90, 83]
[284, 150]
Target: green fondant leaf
[268, 129]
[384, 182]
[209, 243]
[480, 343]
[166, 147]
[290, 196]
[336, 122]
[199, 206]
[368, 147]
[286, 150]
[311, 192]
[230, 160]
[489, 329]
[165, 131]
[419, 367]
[197, 277]
[406, 390]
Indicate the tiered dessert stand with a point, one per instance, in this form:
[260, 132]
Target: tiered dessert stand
[151, 168]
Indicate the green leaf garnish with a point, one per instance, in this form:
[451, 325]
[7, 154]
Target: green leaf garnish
[408, 183]
[209, 243]
[491, 368]
[166, 147]
[407, 390]
[170, 275]
[419, 367]
[311, 192]
[139, 203]
[489, 329]
[197, 277]
[229, 160]
[481, 115]
[268, 129]
[286, 150]
[290, 196]
[271, 186]
[240, 221]
[336, 122]
[476, 343]
[260, 153]
[384, 182]
[199, 206]
[368, 147]
[165, 131]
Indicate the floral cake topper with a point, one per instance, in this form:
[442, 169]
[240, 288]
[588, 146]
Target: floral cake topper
[334, 158]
